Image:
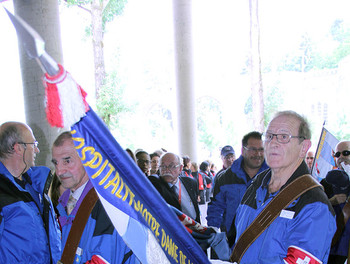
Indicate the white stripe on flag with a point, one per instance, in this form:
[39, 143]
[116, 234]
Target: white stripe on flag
[135, 233]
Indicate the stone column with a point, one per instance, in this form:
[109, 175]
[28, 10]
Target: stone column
[43, 16]
[186, 99]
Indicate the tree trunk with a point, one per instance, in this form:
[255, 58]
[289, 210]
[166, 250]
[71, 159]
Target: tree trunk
[97, 42]
[43, 16]
[255, 67]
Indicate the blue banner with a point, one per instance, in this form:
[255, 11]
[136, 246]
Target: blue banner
[130, 199]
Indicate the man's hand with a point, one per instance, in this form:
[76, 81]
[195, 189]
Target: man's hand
[338, 199]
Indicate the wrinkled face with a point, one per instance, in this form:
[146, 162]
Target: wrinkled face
[170, 168]
[144, 162]
[30, 148]
[228, 160]
[68, 166]
[309, 159]
[341, 147]
[285, 155]
[253, 153]
[155, 163]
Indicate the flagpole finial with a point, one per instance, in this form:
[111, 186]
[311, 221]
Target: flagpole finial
[33, 44]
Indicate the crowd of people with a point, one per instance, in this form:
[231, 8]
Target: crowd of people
[264, 199]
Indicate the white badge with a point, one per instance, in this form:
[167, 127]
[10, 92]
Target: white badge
[287, 214]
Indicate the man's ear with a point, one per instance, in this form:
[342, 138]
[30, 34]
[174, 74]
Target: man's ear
[17, 148]
[306, 144]
[181, 167]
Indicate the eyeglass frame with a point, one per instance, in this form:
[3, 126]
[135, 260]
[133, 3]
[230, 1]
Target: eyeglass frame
[35, 143]
[254, 149]
[345, 153]
[278, 140]
[169, 167]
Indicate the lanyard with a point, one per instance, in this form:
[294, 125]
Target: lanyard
[179, 192]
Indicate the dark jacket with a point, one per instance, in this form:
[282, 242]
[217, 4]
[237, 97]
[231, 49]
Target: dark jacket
[169, 196]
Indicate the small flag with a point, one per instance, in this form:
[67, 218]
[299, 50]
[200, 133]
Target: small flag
[324, 160]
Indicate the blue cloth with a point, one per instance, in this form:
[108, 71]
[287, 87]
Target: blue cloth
[309, 222]
[23, 238]
[228, 192]
[99, 236]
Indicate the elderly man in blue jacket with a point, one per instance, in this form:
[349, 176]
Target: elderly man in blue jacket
[100, 243]
[29, 232]
[302, 232]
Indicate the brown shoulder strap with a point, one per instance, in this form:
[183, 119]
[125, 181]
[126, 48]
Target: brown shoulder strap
[270, 213]
[78, 226]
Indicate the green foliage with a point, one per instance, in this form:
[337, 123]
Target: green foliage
[209, 122]
[77, 2]
[161, 122]
[344, 128]
[111, 10]
[111, 102]
[308, 57]
[273, 99]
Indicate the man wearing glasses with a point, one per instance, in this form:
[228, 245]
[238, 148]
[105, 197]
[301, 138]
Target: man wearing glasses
[340, 245]
[29, 232]
[180, 192]
[302, 232]
[230, 187]
[342, 155]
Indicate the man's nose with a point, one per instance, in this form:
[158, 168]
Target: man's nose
[36, 149]
[60, 169]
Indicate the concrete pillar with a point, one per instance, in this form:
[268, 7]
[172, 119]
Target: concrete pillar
[186, 99]
[43, 16]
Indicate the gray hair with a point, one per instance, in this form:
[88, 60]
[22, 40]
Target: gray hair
[62, 138]
[10, 134]
[304, 127]
[178, 158]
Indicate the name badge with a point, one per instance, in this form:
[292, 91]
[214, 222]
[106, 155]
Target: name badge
[287, 214]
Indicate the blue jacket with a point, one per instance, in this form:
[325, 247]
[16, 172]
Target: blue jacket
[99, 236]
[228, 192]
[23, 237]
[307, 224]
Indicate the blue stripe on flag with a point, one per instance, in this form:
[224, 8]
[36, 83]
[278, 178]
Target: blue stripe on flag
[326, 153]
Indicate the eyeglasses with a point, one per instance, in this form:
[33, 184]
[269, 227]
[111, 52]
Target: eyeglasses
[170, 167]
[229, 156]
[344, 153]
[254, 149]
[143, 161]
[35, 143]
[281, 138]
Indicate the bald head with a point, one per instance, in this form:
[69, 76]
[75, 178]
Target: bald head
[342, 153]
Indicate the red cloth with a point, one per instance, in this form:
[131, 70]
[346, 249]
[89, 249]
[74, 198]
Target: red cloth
[96, 259]
[297, 255]
[200, 182]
